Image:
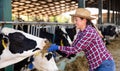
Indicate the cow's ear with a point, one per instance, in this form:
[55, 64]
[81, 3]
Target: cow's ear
[4, 37]
[49, 56]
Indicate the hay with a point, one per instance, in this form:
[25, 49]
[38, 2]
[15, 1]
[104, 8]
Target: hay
[114, 48]
[45, 48]
[114, 44]
[80, 64]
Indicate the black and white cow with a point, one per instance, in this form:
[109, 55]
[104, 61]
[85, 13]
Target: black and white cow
[109, 31]
[17, 45]
[62, 36]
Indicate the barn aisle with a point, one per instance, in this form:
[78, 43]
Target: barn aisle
[114, 48]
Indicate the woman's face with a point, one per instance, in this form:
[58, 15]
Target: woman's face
[79, 23]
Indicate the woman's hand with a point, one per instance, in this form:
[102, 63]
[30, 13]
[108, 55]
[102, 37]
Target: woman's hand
[53, 47]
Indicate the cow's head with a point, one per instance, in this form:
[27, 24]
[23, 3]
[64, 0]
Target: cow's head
[3, 42]
[16, 45]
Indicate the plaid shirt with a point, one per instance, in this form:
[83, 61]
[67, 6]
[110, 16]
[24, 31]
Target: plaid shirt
[91, 43]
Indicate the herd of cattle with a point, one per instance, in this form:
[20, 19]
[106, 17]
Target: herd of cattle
[24, 50]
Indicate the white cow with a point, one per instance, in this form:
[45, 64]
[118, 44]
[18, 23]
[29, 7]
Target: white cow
[17, 45]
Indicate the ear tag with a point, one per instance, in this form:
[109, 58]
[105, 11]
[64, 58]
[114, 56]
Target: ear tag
[3, 43]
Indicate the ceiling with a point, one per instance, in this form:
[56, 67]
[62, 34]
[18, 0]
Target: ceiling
[54, 7]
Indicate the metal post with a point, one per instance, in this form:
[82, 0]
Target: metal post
[6, 15]
[81, 3]
[113, 12]
[116, 12]
[116, 17]
[100, 6]
[108, 13]
[113, 16]
[5, 11]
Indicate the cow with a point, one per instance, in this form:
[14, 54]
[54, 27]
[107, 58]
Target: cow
[109, 31]
[16, 45]
[62, 36]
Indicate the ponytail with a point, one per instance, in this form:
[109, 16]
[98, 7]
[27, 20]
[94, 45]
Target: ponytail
[90, 23]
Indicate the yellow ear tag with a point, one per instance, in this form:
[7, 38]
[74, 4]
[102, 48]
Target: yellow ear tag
[37, 53]
[61, 42]
[3, 43]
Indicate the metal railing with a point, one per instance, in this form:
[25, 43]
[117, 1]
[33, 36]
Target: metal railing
[34, 27]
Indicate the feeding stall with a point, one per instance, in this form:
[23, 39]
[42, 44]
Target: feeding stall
[48, 30]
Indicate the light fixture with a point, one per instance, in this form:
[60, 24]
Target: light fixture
[29, 10]
[27, 1]
[34, 9]
[56, 2]
[15, 2]
[42, 2]
[57, 6]
[47, 9]
[45, 6]
[40, 7]
[49, 0]
[14, 5]
[62, 4]
[52, 7]
[34, 0]
[31, 5]
[21, 3]
[67, 6]
[62, 7]
[26, 7]
[51, 4]
[57, 9]
[73, 2]
[20, 9]
[37, 3]
[62, 1]
[42, 10]
[22, 0]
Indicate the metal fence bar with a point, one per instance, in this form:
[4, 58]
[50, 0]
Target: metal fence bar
[35, 23]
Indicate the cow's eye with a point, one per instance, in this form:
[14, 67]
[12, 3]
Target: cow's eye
[5, 40]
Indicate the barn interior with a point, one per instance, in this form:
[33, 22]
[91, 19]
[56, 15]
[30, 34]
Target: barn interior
[48, 8]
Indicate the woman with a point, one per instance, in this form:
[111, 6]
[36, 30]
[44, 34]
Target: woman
[88, 40]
